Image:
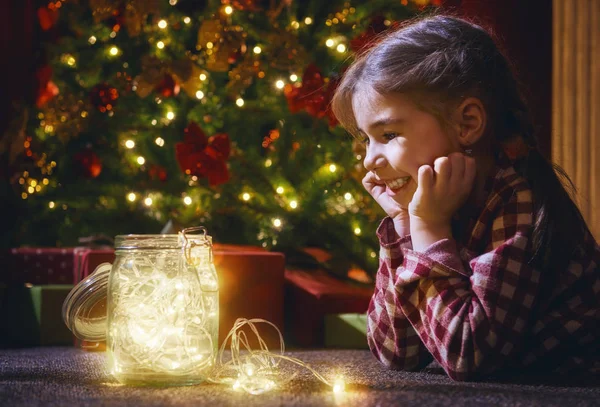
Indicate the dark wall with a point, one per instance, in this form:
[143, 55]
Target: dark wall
[524, 28]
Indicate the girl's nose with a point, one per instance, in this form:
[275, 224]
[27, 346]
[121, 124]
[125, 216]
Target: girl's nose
[374, 160]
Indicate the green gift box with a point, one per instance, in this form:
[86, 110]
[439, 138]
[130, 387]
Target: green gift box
[346, 331]
[32, 316]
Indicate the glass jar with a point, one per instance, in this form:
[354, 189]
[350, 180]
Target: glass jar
[161, 322]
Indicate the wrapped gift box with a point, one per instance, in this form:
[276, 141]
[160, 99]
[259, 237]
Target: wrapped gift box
[31, 316]
[37, 266]
[85, 261]
[311, 295]
[250, 286]
[346, 331]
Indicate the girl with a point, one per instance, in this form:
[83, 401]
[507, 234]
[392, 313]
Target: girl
[485, 263]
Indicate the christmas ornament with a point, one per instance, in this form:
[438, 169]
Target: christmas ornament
[104, 97]
[204, 157]
[47, 17]
[183, 74]
[242, 75]
[157, 172]
[46, 88]
[65, 116]
[167, 86]
[88, 163]
[187, 74]
[224, 44]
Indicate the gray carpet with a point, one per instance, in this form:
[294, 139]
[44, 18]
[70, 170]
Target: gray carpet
[71, 377]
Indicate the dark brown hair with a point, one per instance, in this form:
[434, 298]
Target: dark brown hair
[439, 61]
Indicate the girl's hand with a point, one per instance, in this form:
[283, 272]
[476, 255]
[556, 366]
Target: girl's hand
[442, 190]
[395, 209]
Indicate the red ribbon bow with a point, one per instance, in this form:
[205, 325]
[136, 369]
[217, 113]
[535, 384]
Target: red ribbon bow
[204, 157]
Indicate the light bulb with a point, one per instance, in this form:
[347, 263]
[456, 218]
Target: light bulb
[130, 144]
[339, 385]
[293, 77]
[293, 204]
[268, 162]
[257, 50]
[330, 43]
[199, 94]
[308, 21]
[51, 205]
[277, 222]
[131, 197]
[114, 51]
[246, 196]
[187, 200]
[347, 196]
[148, 201]
[341, 48]
[141, 160]
[332, 168]
[357, 231]
[239, 102]
[279, 84]
[162, 24]
[160, 45]
[92, 40]
[202, 77]
[228, 10]
[279, 190]
[187, 20]
[170, 115]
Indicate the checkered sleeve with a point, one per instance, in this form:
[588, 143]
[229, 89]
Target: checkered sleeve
[470, 315]
[391, 337]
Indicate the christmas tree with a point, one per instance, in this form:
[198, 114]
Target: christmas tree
[191, 112]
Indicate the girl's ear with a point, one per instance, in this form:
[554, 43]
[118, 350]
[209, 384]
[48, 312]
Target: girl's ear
[470, 120]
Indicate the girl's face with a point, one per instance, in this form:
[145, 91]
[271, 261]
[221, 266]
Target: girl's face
[400, 138]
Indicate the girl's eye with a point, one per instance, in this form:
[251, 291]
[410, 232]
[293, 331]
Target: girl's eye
[365, 140]
[390, 136]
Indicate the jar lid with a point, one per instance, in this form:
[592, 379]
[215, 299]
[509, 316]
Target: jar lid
[84, 309]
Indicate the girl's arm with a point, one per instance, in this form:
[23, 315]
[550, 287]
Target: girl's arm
[472, 317]
[390, 335]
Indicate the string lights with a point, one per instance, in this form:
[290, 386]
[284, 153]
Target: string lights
[257, 371]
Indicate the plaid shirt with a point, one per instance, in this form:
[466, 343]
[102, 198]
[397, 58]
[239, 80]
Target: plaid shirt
[476, 305]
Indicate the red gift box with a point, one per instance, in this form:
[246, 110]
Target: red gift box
[86, 260]
[37, 266]
[309, 296]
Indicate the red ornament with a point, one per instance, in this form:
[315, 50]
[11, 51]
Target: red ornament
[47, 17]
[204, 157]
[104, 97]
[116, 19]
[88, 163]
[46, 88]
[167, 86]
[157, 172]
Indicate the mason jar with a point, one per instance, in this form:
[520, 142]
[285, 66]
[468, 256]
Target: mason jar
[161, 321]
